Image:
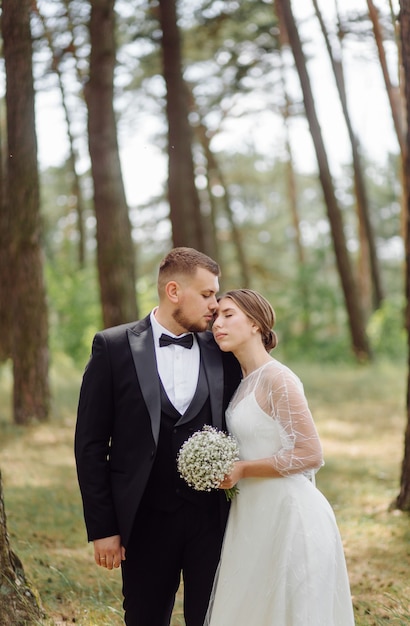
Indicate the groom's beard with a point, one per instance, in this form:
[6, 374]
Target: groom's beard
[190, 326]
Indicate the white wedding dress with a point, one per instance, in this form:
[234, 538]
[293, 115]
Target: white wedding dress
[282, 561]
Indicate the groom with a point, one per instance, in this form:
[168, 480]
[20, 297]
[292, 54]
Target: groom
[147, 387]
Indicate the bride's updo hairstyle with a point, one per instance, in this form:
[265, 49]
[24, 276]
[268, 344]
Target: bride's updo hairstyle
[257, 309]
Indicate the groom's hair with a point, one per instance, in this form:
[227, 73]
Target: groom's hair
[184, 261]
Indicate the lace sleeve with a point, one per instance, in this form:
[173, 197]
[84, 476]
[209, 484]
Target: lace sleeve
[285, 401]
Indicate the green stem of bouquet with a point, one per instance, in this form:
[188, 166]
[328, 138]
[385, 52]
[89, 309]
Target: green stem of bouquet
[231, 493]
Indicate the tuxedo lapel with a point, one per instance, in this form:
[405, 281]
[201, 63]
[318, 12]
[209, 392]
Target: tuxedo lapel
[143, 353]
[212, 360]
[201, 394]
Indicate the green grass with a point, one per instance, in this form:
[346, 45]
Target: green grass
[360, 415]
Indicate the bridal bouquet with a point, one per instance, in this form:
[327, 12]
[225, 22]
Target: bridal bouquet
[206, 457]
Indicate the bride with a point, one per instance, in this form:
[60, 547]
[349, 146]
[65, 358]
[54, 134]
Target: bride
[282, 562]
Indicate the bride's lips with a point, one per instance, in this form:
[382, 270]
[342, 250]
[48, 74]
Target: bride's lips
[219, 335]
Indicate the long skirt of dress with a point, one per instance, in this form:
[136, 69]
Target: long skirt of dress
[282, 562]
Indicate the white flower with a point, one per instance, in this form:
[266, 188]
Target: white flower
[206, 457]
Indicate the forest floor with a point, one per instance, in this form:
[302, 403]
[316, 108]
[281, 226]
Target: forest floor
[360, 415]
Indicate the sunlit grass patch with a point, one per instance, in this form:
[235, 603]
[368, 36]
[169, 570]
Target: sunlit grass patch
[360, 416]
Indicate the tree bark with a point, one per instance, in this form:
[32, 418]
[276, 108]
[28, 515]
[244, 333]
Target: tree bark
[186, 220]
[27, 297]
[215, 174]
[368, 263]
[303, 285]
[57, 55]
[5, 283]
[403, 499]
[359, 339]
[19, 605]
[115, 249]
[394, 95]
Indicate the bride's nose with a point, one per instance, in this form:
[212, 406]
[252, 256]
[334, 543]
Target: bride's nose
[216, 323]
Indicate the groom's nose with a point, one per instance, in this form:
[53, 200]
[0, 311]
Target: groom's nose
[213, 304]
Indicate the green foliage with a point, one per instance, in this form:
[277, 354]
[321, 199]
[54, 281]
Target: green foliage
[387, 331]
[231, 61]
[75, 313]
[307, 297]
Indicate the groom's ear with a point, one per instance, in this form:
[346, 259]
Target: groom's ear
[172, 290]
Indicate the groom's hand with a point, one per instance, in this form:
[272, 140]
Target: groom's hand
[109, 552]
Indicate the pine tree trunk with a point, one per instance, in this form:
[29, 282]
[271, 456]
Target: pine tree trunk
[115, 249]
[403, 499]
[396, 105]
[370, 279]
[27, 297]
[18, 605]
[73, 158]
[354, 311]
[187, 228]
[291, 188]
[214, 173]
[5, 283]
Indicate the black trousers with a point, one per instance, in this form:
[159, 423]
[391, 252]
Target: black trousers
[163, 545]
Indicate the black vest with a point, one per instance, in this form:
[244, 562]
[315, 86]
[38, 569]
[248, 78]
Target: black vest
[165, 489]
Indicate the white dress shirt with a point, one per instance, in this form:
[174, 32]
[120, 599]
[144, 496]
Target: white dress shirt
[178, 367]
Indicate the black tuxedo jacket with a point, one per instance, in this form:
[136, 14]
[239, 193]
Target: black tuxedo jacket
[118, 421]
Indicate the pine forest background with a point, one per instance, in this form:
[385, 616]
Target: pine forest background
[272, 135]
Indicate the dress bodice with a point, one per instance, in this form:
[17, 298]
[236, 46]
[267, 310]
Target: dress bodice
[257, 434]
[270, 417]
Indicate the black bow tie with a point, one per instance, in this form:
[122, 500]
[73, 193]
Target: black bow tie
[186, 341]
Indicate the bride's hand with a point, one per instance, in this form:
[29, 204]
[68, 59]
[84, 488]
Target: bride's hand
[231, 479]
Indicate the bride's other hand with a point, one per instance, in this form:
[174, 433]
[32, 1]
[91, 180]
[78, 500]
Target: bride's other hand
[235, 475]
